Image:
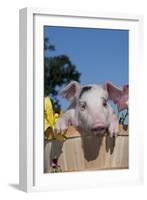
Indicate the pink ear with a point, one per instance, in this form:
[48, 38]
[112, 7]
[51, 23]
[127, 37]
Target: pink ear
[113, 91]
[118, 95]
[71, 90]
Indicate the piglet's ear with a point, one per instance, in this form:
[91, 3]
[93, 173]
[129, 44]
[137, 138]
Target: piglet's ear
[114, 92]
[71, 90]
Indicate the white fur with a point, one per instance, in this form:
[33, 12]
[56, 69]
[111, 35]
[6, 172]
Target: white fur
[94, 113]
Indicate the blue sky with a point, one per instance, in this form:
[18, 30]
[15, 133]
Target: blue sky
[99, 54]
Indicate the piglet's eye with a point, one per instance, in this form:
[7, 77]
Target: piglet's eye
[104, 102]
[82, 105]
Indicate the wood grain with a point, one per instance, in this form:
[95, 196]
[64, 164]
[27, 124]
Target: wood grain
[88, 153]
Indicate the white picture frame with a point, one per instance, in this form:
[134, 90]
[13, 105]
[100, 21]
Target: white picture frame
[31, 175]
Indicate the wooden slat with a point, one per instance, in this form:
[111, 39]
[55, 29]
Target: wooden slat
[88, 153]
[73, 132]
[94, 156]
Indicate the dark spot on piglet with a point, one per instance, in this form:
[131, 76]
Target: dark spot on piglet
[84, 89]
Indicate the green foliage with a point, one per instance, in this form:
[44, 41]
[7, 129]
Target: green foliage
[58, 71]
[123, 117]
[48, 46]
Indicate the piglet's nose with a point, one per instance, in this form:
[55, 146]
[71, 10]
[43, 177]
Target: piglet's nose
[98, 127]
[98, 124]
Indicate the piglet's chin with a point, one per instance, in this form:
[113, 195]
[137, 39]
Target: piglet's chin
[98, 130]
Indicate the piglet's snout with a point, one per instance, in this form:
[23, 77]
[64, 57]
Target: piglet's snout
[98, 127]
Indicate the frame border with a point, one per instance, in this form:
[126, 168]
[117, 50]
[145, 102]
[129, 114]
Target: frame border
[26, 83]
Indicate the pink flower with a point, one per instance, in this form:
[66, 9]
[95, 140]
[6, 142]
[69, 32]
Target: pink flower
[122, 102]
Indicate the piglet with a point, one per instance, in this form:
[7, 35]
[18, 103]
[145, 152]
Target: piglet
[89, 109]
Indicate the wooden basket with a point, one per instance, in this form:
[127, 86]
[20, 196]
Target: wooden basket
[78, 153]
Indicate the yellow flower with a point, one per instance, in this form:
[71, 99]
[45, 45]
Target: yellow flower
[48, 113]
[50, 119]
